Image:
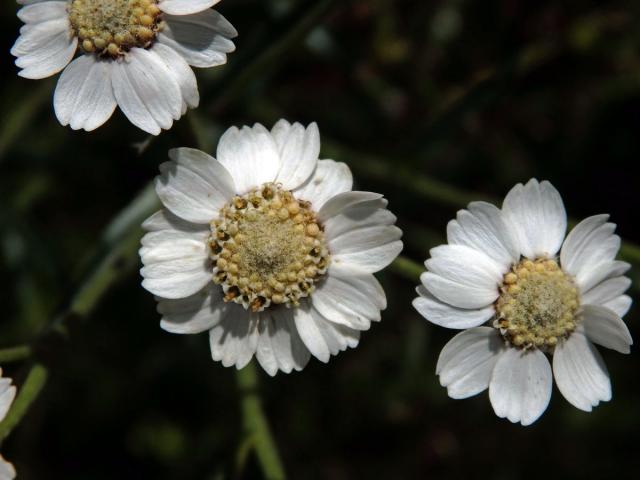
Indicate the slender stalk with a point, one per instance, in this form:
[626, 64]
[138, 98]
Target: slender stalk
[15, 354]
[407, 268]
[27, 394]
[256, 428]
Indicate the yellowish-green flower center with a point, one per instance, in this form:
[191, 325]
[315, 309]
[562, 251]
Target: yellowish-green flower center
[112, 27]
[267, 248]
[537, 305]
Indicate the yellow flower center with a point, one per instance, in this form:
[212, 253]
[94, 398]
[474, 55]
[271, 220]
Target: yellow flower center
[112, 27]
[267, 248]
[537, 304]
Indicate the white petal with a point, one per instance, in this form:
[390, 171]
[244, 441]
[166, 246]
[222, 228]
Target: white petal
[465, 266]
[351, 300]
[620, 305]
[343, 201]
[606, 328]
[322, 337]
[7, 472]
[195, 314]
[250, 155]
[279, 344]
[589, 247]
[458, 294]
[233, 341]
[594, 275]
[361, 215]
[38, 36]
[84, 97]
[165, 220]
[299, 149]
[466, 362]
[536, 213]
[367, 249]
[520, 387]
[362, 236]
[448, 316]
[328, 180]
[201, 39]
[43, 11]
[605, 291]
[182, 74]
[185, 7]
[194, 186]
[146, 91]
[176, 264]
[44, 49]
[7, 395]
[580, 373]
[483, 228]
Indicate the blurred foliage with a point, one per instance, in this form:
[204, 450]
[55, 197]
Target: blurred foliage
[478, 95]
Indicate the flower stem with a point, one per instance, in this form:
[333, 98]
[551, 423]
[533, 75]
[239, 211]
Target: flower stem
[405, 267]
[15, 354]
[27, 394]
[256, 429]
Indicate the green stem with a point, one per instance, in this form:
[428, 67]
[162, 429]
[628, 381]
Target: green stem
[15, 354]
[27, 394]
[256, 428]
[405, 267]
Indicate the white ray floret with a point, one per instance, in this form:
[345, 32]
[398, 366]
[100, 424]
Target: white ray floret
[267, 248]
[7, 395]
[520, 290]
[134, 54]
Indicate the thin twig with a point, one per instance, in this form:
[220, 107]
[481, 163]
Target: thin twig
[255, 424]
[15, 354]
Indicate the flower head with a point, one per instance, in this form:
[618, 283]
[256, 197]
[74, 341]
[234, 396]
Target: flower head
[135, 54]
[267, 248]
[538, 292]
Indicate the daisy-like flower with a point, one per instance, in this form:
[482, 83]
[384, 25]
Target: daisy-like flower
[135, 54]
[267, 248]
[539, 292]
[7, 395]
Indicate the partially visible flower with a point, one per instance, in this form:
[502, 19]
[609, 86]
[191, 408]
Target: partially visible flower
[267, 248]
[135, 54]
[7, 472]
[539, 291]
[7, 395]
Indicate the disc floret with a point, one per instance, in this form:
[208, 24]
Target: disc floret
[267, 248]
[113, 27]
[538, 304]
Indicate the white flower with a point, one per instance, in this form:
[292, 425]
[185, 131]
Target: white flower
[267, 248]
[539, 291]
[135, 54]
[7, 395]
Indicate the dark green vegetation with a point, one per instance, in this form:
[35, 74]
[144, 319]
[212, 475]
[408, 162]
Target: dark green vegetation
[433, 103]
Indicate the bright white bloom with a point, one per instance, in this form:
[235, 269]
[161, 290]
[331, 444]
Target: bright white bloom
[135, 54]
[7, 394]
[267, 248]
[538, 291]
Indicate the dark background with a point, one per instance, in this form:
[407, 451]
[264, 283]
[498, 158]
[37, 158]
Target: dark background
[477, 94]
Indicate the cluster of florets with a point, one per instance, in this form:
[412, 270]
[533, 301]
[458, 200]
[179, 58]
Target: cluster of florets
[267, 247]
[537, 304]
[113, 27]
